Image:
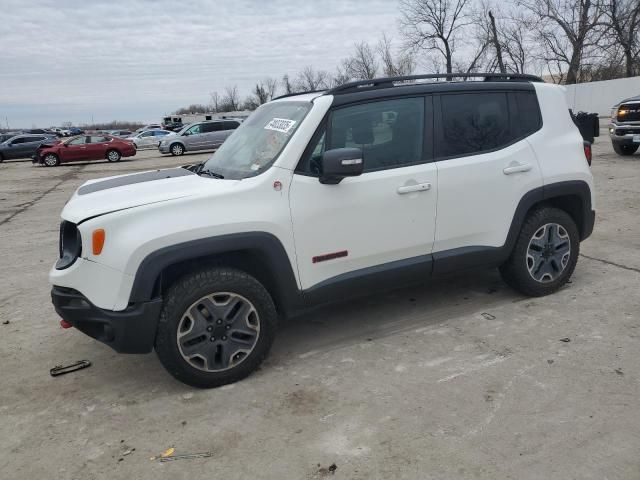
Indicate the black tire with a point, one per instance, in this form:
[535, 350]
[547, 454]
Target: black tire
[625, 149]
[516, 270]
[113, 156]
[1, 158]
[176, 149]
[181, 298]
[51, 160]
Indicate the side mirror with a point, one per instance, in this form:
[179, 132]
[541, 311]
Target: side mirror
[340, 163]
[186, 134]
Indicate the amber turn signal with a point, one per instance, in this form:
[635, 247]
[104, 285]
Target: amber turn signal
[98, 241]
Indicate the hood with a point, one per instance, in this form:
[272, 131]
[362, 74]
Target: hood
[107, 195]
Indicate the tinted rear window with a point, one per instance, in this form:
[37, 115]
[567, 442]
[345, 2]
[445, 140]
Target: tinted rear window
[473, 123]
[528, 113]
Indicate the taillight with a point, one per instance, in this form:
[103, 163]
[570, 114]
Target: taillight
[587, 152]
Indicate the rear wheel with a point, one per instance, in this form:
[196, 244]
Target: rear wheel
[51, 160]
[625, 149]
[216, 327]
[176, 149]
[545, 254]
[1, 158]
[113, 156]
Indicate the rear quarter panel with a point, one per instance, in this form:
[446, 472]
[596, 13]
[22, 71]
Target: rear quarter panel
[559, 145]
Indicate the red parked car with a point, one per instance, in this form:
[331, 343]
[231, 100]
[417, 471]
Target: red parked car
[83, 148]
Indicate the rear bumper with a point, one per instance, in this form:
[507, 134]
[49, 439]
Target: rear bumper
[132, 330]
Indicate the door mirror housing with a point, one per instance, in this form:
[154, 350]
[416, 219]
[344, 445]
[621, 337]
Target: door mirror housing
[340, 163]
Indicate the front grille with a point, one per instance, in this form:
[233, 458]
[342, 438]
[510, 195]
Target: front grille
[629, 112]
[70, 245]
[628, 131]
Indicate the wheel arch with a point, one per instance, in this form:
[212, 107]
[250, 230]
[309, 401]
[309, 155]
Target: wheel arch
[259, 254]
[574, 197]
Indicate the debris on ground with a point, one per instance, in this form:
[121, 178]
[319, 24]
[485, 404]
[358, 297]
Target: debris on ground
[330, 470]
[619, 371]
[6, 322]
[62, 369]
[128, 452]
[549, 361]
[488, 316]
[171, 458]
[167, 453]
[565, 339]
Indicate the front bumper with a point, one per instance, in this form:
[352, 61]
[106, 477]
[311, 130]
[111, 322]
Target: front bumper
[132, 330]
[624, 133]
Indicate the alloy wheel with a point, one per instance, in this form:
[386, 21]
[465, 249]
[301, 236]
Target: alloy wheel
[50, 160]
[218, 332]
[548, 252]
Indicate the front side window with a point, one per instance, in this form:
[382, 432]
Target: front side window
[195, 129]
[257, 142]
[473, 123]
[390, 134]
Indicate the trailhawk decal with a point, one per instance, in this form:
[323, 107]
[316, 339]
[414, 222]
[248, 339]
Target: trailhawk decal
[280, 125]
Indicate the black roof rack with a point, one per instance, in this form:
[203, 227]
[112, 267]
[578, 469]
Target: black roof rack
[293, 94]
[387, 82]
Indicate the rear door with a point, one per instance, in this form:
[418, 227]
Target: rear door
[97, 147]
[485, 167]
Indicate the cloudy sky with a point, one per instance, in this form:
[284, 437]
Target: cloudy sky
[74, 60]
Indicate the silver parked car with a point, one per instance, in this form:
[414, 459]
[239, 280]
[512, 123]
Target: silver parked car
[149, 139]
[207, 135]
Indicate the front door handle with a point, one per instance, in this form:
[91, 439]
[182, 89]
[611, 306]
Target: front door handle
[420, 187]
[515, 167]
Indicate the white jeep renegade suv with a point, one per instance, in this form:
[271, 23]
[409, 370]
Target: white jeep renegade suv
[320, 196]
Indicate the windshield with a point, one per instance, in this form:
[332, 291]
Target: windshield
[257, 142]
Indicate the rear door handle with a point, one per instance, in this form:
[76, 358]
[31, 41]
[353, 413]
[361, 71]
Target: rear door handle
[420, 187]
[516, 168]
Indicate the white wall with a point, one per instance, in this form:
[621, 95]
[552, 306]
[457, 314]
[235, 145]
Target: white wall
[599, 97]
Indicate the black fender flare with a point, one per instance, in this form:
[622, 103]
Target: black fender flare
[267, 247]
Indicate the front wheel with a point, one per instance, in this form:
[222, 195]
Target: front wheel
[545, 253]
[625, 149]
[176, 149]
[216, 327]
[51, 160]
[113, 156]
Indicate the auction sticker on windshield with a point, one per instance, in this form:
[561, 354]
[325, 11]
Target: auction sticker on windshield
[280, 125]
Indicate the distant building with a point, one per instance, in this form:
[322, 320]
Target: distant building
[188, 118]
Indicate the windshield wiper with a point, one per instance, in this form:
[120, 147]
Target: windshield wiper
[210, 173]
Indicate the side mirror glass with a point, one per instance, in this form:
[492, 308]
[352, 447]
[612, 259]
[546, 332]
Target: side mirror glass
[340, 163]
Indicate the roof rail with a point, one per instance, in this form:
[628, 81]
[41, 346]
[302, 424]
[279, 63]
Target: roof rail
[293, 94]
[387, 82]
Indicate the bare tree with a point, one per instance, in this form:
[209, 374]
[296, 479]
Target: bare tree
[310, 79]
[567, 30]
[496, 42]
[394, 65]
[216, 101]
[340, 77]
[230, 101]
[435, 25]
[624, 21]
[264, 91]
[516, 48]
[362, 65]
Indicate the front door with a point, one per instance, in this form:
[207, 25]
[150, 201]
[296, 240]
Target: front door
[380, 220]
[76, 149]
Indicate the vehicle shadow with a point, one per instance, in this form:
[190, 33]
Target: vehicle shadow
[352, 322]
